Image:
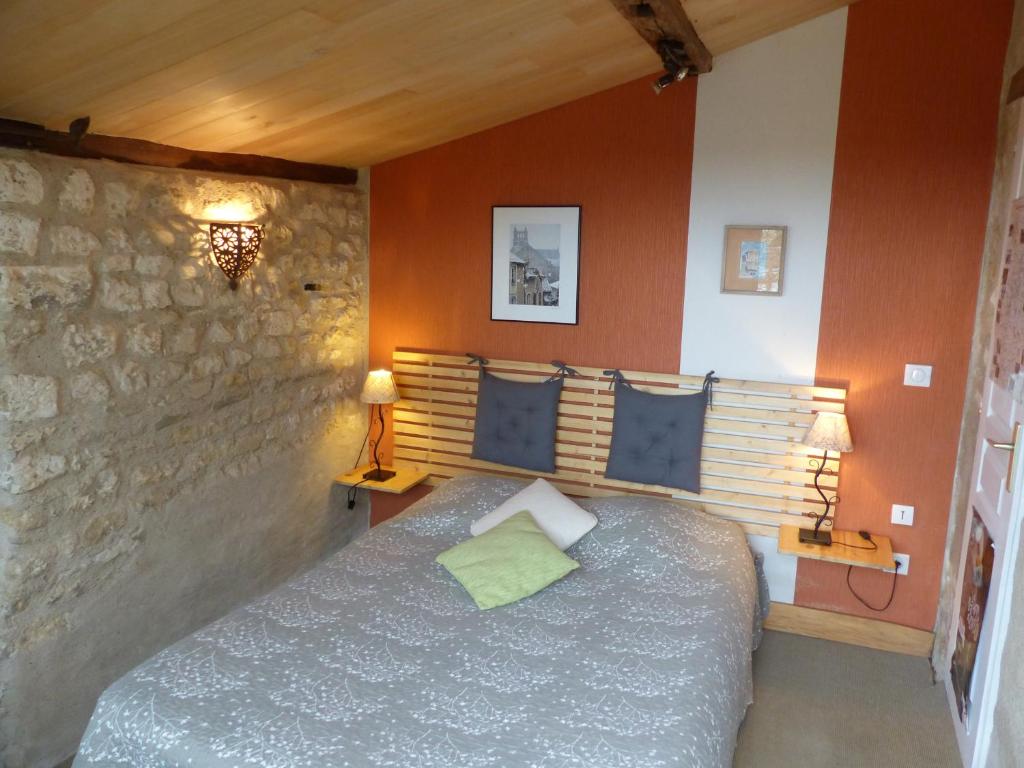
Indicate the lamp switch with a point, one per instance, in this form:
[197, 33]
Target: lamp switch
[902, 514]
[917, 375]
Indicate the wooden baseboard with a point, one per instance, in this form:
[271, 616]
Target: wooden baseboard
[855, 630]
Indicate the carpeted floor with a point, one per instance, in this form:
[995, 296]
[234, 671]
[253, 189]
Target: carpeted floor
[819, 704]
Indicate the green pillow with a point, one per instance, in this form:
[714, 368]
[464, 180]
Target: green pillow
[512, 560]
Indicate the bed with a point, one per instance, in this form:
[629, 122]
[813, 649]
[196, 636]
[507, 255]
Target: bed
[377, 657]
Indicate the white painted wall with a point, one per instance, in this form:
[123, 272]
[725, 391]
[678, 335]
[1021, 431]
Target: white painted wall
[764, 150]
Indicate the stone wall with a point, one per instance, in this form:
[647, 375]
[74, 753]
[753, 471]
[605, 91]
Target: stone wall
[166, 444]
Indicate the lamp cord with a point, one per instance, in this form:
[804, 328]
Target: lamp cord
[865, 603]
[849, 574]
[352, 489]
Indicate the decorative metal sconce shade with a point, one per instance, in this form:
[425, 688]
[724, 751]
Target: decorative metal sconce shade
[235, 247]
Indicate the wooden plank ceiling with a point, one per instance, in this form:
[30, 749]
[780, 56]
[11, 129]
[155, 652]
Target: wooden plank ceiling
[347, 82]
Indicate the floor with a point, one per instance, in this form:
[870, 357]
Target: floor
[819, 704]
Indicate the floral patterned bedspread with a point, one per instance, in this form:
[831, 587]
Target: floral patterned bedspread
[377, 657]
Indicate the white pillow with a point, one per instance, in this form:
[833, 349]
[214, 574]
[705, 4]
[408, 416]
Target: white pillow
[564, 522]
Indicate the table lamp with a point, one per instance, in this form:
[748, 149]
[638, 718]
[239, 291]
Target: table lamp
[379, 389]
[829, 432]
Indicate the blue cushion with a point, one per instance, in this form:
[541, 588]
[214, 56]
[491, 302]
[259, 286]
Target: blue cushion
[656, 439]
[516, 421]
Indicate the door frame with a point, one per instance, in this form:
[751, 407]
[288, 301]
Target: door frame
[998, 611]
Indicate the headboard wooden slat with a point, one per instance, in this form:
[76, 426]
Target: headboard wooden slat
[754, 468]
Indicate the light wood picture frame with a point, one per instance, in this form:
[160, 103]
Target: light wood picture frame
[754, 259]
[535, 263]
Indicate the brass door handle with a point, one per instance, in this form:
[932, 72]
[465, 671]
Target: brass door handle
[1012, 448]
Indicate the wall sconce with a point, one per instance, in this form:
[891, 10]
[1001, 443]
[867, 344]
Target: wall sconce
[235, 248]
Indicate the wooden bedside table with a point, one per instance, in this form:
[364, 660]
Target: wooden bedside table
[857, 554]
[387, 499]
[404, 479]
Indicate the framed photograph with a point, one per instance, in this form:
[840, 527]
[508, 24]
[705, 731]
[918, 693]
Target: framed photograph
[535, 263]
[754, 260]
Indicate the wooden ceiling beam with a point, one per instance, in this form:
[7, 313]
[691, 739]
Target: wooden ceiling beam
[665, 26]
[78, 143]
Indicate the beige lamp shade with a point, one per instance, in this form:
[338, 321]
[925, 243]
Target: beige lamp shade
[830, 432]
[379, 388]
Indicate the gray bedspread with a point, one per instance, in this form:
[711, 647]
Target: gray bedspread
[377, 657]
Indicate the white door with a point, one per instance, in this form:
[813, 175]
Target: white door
[992, 529]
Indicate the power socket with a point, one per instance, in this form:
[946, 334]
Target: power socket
[903, 560]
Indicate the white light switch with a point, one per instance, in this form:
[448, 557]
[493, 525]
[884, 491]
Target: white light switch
[917, 375]
[902, 514]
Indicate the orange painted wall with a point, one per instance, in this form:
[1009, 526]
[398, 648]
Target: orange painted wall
[622, 154]
[913, 171]
[914, 162]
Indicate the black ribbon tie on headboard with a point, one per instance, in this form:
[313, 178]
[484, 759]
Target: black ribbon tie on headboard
[477, 360]
[708, 387]
[562, 371]
[617, 379]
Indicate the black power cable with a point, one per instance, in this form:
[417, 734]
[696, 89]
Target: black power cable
[865, 603]
[849, 573]
[352, 489]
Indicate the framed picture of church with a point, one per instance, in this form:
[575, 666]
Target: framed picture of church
[535, 263]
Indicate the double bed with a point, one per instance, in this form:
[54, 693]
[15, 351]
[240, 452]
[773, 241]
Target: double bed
[378, 657]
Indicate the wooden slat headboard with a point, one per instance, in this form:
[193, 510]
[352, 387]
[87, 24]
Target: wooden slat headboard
[753, 470]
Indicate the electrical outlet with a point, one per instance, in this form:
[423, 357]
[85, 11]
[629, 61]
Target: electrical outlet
[902, 514]
[903, 560]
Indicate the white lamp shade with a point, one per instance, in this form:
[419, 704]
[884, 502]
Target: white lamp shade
[379, 388]
[830, 432]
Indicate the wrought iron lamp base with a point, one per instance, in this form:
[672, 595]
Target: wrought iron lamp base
[810, 536]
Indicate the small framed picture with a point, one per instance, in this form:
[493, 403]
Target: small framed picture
[754, 260]
[535, 263]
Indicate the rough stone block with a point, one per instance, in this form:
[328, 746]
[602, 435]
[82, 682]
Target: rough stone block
[184, 342]
[20, 331]
[78, 192]
[247, 329]
[218, 334]
[20, 183]
[207, 365]
[88, 342]
[279, 323]
[29, 471]
[130, 377]
[68, 240]
[155, 294]
[90, 387]
[44, 287]
[19, 233]
[238, 357]
[188, 294]
[166, 373]
[119, 199]
[25, 397]
[145, 339]
[267, 348]
[119, 295]
[153, 264]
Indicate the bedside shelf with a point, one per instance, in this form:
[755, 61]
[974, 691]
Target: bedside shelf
[879, 559]
[404, 479]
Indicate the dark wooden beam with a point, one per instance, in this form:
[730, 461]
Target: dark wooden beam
[1016, 87]
[658, 21]
[78, 143]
